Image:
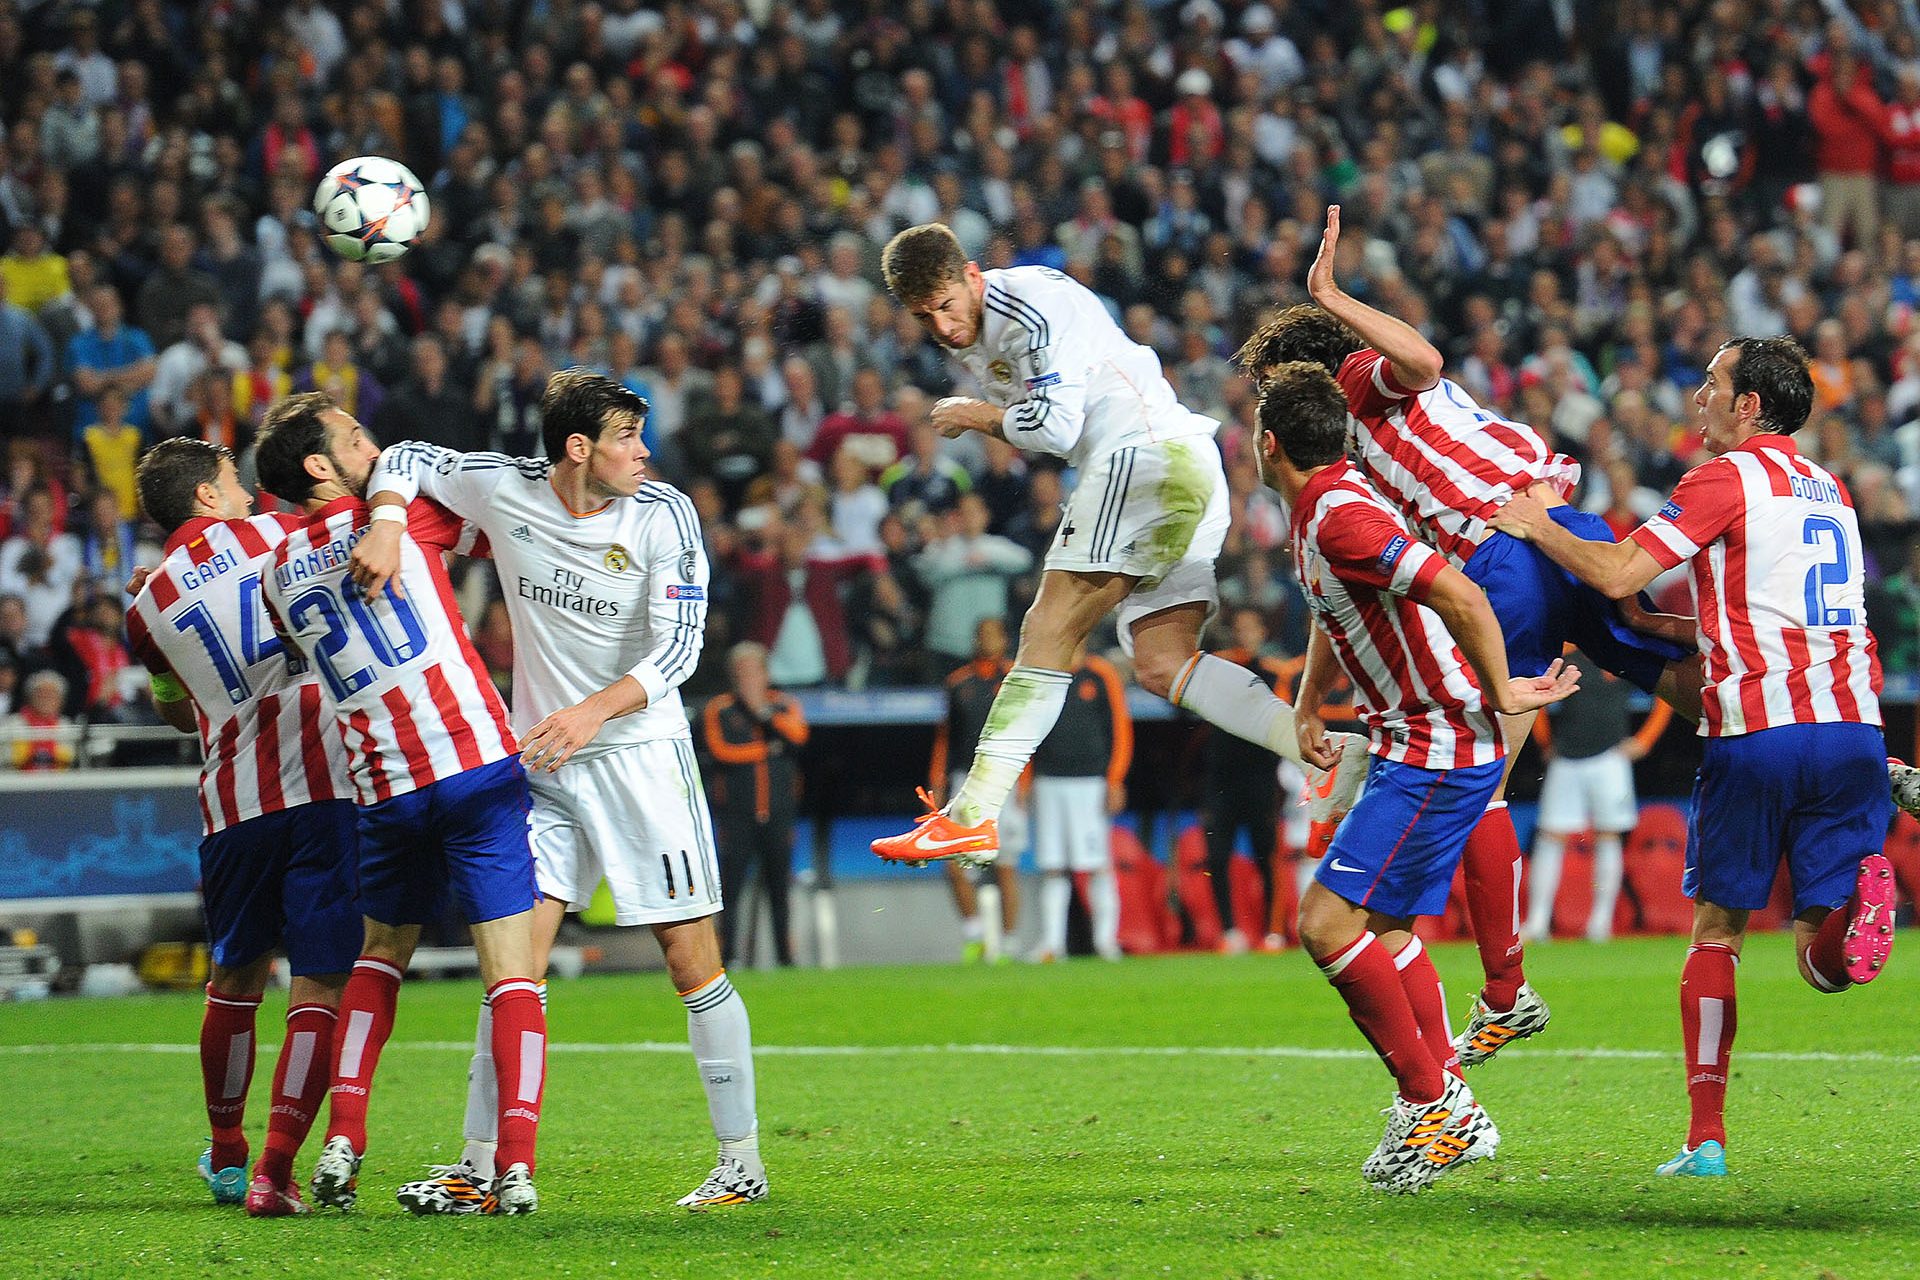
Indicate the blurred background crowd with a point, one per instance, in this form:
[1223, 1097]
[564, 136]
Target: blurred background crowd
[1578, 200]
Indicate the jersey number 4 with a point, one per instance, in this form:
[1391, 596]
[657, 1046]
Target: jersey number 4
[321, 603]
[257, 640]
[1832, 570]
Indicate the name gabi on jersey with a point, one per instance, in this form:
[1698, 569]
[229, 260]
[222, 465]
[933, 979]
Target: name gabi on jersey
[331, 555]
[569, 594]
[199, 575]
[1814, 490]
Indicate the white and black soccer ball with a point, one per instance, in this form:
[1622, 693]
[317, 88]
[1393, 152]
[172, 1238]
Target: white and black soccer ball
[371, 209]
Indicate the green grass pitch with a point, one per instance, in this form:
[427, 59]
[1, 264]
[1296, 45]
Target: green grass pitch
[1189, 1117]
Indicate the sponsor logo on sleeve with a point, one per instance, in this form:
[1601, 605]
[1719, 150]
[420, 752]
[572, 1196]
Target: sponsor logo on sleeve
[1044, 380]
[686, 591]
[1395, 549]
[1671, 511]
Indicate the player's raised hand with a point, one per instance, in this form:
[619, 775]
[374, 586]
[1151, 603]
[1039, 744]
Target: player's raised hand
[141, 573]
[552, 742]
[1530, 693]
[1320, 279]
[376, 558]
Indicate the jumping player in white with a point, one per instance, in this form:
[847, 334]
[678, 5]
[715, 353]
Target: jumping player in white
[1142, 528]
[605, 582]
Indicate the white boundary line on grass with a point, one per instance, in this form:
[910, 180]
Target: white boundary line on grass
[1015, 1051]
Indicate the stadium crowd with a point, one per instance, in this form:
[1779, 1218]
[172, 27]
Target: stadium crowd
[1578, 201]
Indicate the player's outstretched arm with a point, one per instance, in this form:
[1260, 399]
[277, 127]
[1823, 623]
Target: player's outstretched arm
[1463, 606]
[1414, 363]
[1615, 569]
[1316, 678]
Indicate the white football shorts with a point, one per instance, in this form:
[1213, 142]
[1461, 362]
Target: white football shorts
[1071, 829]
[636, 815]
[1155, 511]
[1595, 793]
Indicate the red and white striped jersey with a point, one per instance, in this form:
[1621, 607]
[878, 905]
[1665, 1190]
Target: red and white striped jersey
[1447, 463]
[1773, 551]
[268, 739]
[410, 691]
[1365, 576]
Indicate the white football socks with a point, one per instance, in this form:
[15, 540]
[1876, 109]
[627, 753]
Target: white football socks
[1056, 899]
[1609, 869]
[722, 1040]
[1103, 905]
[1228, 695]
[1023, 712]
[482, 1127]
[1543, 883]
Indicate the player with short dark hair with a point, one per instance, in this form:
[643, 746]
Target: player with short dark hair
[605, 577]
[277, 855]
[1428, 664]
[442, 794]
[1794, 764]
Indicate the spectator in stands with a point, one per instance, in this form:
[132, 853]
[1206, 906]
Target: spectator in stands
[337, 373]
[1589, 786]
[34, 273]
[202, 348]
[113, 448]
[427, 407]
[969, 573]
[728, 439]
[40, 566]
[857, 504]
[1894, 606]
[795, 597]
[676, 385]
[232, 264]
[173, 289]
[43, 737]
[926, 480]
[753, 735]
[836, 358]
[1850, 124]
[27, 368]
[110, 354]
[876, 433]
[15, 650]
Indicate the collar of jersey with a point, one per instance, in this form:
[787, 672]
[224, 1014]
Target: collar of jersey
[345, 502]
[1321, 481]
[1766, 440]
[189, 532]
[577, 515]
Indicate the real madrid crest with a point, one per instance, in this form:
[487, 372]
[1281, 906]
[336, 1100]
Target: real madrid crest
[1001, 371]
[617, 559]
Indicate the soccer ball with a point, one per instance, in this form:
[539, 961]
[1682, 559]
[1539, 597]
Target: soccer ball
[371, 208]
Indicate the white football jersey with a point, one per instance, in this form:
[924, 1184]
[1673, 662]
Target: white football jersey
[1072, 383]
[594, 596]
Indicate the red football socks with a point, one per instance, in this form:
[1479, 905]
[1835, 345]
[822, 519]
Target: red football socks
[1827, 956]
[366, 1020]
[1421, 981]
[520, 1065]
[1707, 1019]
[1492, 862]
[226, 1070]
[299, 1083]
[1363, 973]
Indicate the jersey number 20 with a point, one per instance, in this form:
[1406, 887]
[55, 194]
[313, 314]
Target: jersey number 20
[320, 602]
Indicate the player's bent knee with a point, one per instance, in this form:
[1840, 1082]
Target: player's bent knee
[248, 979]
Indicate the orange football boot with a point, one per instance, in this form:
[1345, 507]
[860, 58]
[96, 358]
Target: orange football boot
[937, 838]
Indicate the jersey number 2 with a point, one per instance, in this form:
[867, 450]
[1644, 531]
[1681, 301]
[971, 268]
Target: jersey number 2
[1832, 570]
